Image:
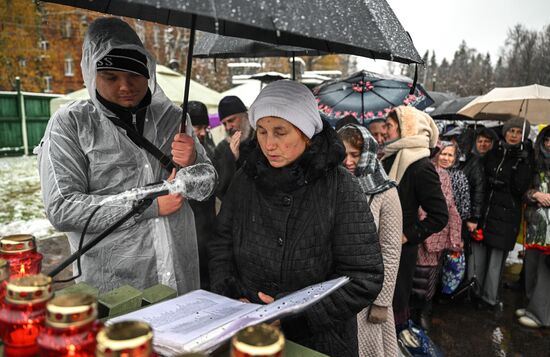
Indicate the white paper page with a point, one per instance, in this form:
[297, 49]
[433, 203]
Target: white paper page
[287, 305]
[180, 320]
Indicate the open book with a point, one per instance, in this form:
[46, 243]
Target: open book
[201, 320]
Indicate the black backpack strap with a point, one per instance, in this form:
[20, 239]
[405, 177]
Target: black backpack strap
[143, 143]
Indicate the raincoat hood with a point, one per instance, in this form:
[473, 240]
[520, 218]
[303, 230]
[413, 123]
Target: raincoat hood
[104, 35]
[542, 156]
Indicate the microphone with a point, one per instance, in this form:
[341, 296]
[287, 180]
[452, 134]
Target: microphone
[194, 182]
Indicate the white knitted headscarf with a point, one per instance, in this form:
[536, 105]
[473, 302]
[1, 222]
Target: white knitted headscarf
[291, 101]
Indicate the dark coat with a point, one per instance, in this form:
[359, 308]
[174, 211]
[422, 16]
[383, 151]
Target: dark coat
[474, 170]
[226, 165]
[280, 230]
[508, 173]
[205, 214]
[419, 187]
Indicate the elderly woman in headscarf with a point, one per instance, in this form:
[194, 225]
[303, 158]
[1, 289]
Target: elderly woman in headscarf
[454, 186]
[537, 242]
[410, 135]
[376, 329]
[293, 217]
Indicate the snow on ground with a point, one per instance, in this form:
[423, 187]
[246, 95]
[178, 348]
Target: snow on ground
[21, 208]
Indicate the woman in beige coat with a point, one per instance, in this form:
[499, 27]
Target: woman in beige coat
[375, 324]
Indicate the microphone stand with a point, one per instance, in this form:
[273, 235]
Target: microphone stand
[138, 208]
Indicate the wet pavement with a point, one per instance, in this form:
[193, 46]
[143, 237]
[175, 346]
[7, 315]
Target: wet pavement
[458, 327]
[461, 329]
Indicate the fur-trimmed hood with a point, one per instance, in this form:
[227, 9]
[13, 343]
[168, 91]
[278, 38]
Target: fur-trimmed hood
[415, 122]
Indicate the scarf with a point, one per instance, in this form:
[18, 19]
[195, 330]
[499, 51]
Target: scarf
[369, 172]
[407, 150]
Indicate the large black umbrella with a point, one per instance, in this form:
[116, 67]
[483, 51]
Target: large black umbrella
[449, 109]
[366, 28]
[368, 96]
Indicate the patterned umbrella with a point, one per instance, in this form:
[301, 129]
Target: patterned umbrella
[368, 96]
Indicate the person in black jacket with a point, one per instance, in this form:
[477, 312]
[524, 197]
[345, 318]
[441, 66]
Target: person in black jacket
[204, 211]
[410, 134]
[231, 153]
[508, 170]
[293, 217]
[474, 169]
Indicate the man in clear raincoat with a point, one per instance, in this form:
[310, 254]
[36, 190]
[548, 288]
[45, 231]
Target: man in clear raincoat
[84, 158]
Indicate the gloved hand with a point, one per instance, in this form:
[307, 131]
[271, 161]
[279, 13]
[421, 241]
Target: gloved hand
[377, 314]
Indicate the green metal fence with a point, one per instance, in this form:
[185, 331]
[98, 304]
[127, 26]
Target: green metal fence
[16, 139]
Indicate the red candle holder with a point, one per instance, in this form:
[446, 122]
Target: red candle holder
[20, 251]
[126, 339]
[23, 313]
[71, 327]
[4, 277]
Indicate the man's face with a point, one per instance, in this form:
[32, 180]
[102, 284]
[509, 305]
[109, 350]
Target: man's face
[378, 131]
[483, 144]
[123, 88]
[200, 132]
[233, 123]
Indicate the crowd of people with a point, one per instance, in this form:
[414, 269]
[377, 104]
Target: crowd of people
[297, 202]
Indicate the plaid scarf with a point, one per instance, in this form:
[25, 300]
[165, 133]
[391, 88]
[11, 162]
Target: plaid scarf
[370, 173]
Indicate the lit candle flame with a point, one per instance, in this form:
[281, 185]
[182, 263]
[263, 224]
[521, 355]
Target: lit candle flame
[22, 270]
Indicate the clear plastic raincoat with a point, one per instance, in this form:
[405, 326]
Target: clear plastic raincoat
[84, 158]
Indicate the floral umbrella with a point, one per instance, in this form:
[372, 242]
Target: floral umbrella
[368, 96]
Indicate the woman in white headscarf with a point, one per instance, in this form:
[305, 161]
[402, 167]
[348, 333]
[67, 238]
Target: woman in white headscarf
[93, 149]
[375, 324]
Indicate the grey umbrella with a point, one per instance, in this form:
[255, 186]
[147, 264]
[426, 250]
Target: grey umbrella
[449, 108]
[366, 28]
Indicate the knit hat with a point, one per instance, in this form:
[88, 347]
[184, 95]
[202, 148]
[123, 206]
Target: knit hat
[230, 105]
[291, 101]
[198, 113]
[126, 60]
[517, 123]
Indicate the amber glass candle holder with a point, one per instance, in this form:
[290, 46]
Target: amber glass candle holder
[23, 313]
[20, 251]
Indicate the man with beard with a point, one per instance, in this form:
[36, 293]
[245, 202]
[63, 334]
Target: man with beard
[231, 153]
[205, 211]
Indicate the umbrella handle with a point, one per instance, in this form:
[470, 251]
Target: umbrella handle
[188, 72]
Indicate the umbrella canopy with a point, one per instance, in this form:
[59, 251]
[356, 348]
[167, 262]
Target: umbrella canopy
[368, 96]
[329, 26]
[449, 109]
[528, 102]
[439, 98]
[216, 46]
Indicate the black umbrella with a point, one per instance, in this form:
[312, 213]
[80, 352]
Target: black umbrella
[365, 28]
[216, 46]
[449, 109]
[440, 97]
[368, 96]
